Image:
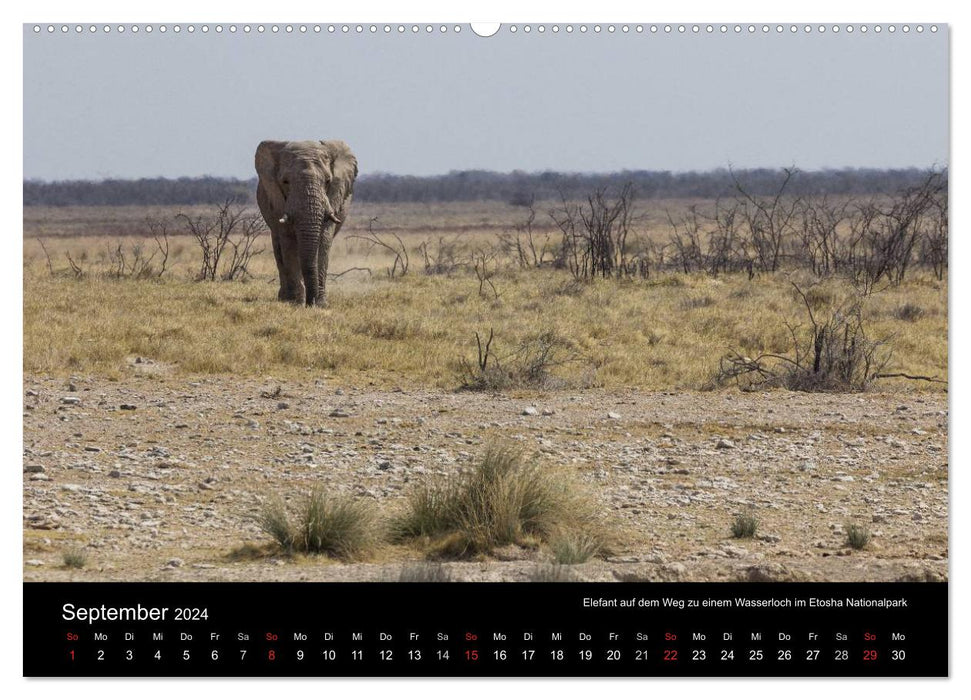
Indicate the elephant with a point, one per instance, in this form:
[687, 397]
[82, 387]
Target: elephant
[304, 191]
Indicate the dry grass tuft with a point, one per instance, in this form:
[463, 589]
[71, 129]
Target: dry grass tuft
[342, 527]
[505, 499]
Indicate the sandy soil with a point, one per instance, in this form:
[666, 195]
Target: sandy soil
[158, 476]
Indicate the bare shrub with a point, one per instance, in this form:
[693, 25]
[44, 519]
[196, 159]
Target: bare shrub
[391, 242]
[47, 256]
[820, 222]
[485, 265]
[884, 238]
[160, 234]
[131, 261]
[227, 240]
[528, 247]
[933, 250]
[443, 258]
[77, 268]
[686, 240]
[530, 365]
[769, 220]
[830, 353]
[595, 234]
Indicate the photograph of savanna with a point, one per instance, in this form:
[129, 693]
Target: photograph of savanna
[404, 303]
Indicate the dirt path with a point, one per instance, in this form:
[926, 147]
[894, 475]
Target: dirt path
[159, 477]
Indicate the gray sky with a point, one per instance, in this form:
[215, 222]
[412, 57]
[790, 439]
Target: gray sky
[163, 104]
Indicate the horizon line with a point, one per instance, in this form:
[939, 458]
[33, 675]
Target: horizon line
[547, 171]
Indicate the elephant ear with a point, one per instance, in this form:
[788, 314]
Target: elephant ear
[343, 167]
[267, 163]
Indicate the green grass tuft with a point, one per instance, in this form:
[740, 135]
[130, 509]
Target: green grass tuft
[75, 558]
[744, 526]
[857, 536]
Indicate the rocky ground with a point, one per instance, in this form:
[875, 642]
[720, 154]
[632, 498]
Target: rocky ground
[158, 477]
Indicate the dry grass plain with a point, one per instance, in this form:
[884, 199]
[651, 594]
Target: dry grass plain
[667, 332]
[204, 362]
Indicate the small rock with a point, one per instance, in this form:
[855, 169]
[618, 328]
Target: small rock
[769, 573]
[384, 466]
[734, 552]
[283, 405]
[675, 570]
[549, 411]
[530, 411]
[613, 416]
[91, 448]
[127, 407]
[780, 429]
[70, 400]
[725, 444]
[339, 392]
[175, 563]
[34, 562]
[33, 468]
[114, 474]
[31, 392]
[339, 413]
[253, 423]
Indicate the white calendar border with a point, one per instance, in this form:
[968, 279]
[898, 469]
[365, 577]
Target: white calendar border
[829, 11]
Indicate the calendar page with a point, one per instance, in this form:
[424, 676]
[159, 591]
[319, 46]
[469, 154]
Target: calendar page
[449, 349]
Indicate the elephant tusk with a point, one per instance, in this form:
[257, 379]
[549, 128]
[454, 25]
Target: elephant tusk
[284, 218]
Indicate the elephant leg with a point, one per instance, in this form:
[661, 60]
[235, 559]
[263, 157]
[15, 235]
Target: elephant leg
[288, 264]
[323, 257]
[278, 254]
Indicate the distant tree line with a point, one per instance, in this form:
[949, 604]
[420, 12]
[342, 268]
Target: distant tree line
[517, 187]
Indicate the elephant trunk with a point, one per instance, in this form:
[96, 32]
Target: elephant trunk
[309, 224]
